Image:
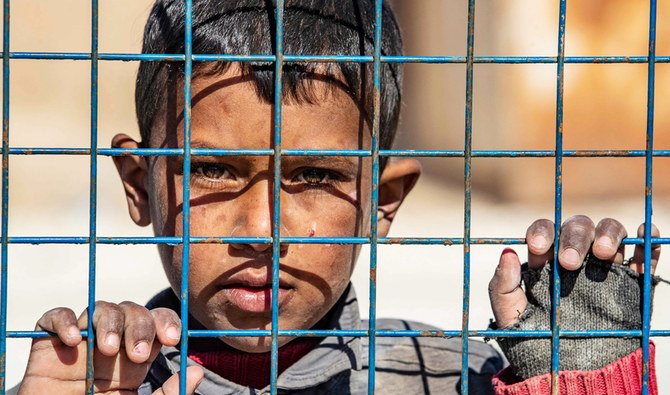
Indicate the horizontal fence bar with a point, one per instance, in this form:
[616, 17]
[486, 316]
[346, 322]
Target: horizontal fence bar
[337, 152]
[333, 59]
[489, 333]
[176, 240]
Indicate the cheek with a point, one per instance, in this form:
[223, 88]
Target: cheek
[205, 264]
[320, 216]
[322, 273]
[165, 191]
[164, 196]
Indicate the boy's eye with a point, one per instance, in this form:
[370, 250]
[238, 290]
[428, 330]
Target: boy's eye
[316, 177]
[213, 171]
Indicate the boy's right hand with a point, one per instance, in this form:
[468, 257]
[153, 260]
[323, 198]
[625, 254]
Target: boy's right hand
[128, 339]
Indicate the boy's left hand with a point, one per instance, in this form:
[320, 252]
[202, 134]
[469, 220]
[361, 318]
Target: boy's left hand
[579, 236]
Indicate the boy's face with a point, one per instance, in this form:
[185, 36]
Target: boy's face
[230, 284]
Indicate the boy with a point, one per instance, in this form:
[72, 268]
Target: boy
[326, 106]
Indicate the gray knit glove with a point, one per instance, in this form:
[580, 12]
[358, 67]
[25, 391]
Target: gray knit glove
[597, 296]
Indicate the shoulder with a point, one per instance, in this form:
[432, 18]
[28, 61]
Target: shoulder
[437, 354]
[431, 363]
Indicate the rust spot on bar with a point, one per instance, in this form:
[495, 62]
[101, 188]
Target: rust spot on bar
[2, 363]
[448, 242]
[212, 240]
[373, 275]
[437, 333]
[395, 240]
[89, 384]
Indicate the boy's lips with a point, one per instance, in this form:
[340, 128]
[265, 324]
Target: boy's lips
[253, 293]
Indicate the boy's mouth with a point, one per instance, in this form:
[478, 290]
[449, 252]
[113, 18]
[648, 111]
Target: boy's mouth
[253, 294]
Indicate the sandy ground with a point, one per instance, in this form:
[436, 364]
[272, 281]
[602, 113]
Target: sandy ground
[416, 283]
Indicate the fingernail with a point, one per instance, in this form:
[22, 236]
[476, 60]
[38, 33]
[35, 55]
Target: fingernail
[141, 348]
[571, 256]
[172, 333]
[73, 333]
[113, 340]
[606, 243]
[508, 251]
[538, 242]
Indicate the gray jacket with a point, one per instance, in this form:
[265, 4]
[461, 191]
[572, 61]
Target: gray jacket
[404, 365]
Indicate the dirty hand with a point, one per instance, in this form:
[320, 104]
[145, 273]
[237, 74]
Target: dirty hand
[597, 292]
[128, 339]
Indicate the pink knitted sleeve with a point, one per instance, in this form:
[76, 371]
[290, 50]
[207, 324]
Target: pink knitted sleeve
[622, 377]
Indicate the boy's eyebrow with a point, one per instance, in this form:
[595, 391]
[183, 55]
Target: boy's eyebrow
[201, 144]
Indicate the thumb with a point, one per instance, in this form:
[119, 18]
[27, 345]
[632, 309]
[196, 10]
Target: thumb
[194, 376]
[507, 298]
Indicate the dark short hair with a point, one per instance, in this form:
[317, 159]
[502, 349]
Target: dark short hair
[243, 27]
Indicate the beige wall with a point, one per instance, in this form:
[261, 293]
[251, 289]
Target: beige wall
[605, 105]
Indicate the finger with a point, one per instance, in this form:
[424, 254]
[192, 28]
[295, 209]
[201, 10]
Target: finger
[194, 376]
[168, 326]
[63, 323]
[577, 235]
[637, 263]
[540, 238]
[108, 320]
[139, 331]
[507, 298]
[119, 371]
[607, 243]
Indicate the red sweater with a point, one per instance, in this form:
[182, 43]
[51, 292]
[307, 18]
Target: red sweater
[622, 377]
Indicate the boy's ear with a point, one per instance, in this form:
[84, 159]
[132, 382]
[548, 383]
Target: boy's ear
[396, 181]
[133, 172]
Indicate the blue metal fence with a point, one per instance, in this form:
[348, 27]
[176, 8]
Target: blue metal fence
[279, 58]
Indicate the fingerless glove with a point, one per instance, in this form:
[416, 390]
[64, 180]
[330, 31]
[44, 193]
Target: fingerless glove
[600, 295]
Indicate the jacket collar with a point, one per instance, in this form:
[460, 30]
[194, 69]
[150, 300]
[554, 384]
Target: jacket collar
[332, 356]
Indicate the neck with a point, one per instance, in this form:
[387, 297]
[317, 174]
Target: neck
[252, 369]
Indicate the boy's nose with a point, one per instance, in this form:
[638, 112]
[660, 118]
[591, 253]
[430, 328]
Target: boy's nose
[258, 248]
[255, 220]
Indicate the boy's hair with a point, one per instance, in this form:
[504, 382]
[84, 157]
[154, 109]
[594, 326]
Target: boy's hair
[244, 27]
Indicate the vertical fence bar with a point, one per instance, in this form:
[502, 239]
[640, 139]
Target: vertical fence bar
[5, 196]
[558, 202]
[186, 193]
[648, 207]
[276, 192]
[93, 198]
[467, 204]
[374, 193]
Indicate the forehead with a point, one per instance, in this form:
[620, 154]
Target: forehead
[227, 112]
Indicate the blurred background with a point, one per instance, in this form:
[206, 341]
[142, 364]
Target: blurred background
[514, 108]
